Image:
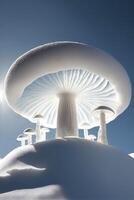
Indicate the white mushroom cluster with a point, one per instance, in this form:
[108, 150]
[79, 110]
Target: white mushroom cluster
[40, 132]
[68, 83]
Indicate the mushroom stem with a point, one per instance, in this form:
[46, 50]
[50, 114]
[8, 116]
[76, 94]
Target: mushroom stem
[38, 134]
[85, 133]
[23, 142]
[102, 133]
[43, 136]
[30, 139]
[67, 119]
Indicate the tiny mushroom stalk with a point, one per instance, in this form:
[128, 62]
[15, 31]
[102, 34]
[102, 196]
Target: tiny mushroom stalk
[85, 132]
[38, 118]
[85, 126]
[29, 132]
[103, 112]
[44, 130]
[22, 138]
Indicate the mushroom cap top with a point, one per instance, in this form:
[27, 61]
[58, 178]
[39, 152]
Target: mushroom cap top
[22, 137]
[85, 125]
[58, 57]
[38, 117]
[29, 131]
[104, 108]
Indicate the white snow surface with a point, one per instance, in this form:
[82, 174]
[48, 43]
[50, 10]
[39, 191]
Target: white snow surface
[131, 155]
[67, 169]
[52, 192]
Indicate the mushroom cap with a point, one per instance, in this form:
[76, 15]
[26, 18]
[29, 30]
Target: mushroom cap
[108, 112]
[85, 125]
[45, 129]
[34, 80]
[22, 137]
[29, 131]
[37, 117]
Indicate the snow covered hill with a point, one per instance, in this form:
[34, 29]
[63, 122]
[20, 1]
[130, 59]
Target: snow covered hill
[131, 155]
[67, 169]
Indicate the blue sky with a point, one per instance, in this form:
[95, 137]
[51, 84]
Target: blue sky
[106, 24]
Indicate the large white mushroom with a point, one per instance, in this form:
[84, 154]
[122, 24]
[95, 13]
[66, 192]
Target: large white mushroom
[65, 82]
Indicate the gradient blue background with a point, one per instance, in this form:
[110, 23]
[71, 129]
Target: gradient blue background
[106, 24]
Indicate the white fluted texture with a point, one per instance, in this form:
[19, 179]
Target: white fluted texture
[91, 90]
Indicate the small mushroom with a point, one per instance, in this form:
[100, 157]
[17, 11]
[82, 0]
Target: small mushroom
[85, 126]
[22, 138]
[29, 132]
[91, 137]
[44, 130]
[37, 119]
[101, 114]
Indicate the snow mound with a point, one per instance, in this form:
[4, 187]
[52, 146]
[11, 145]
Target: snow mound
[51, 192]
[131, 155]
[74, 169]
